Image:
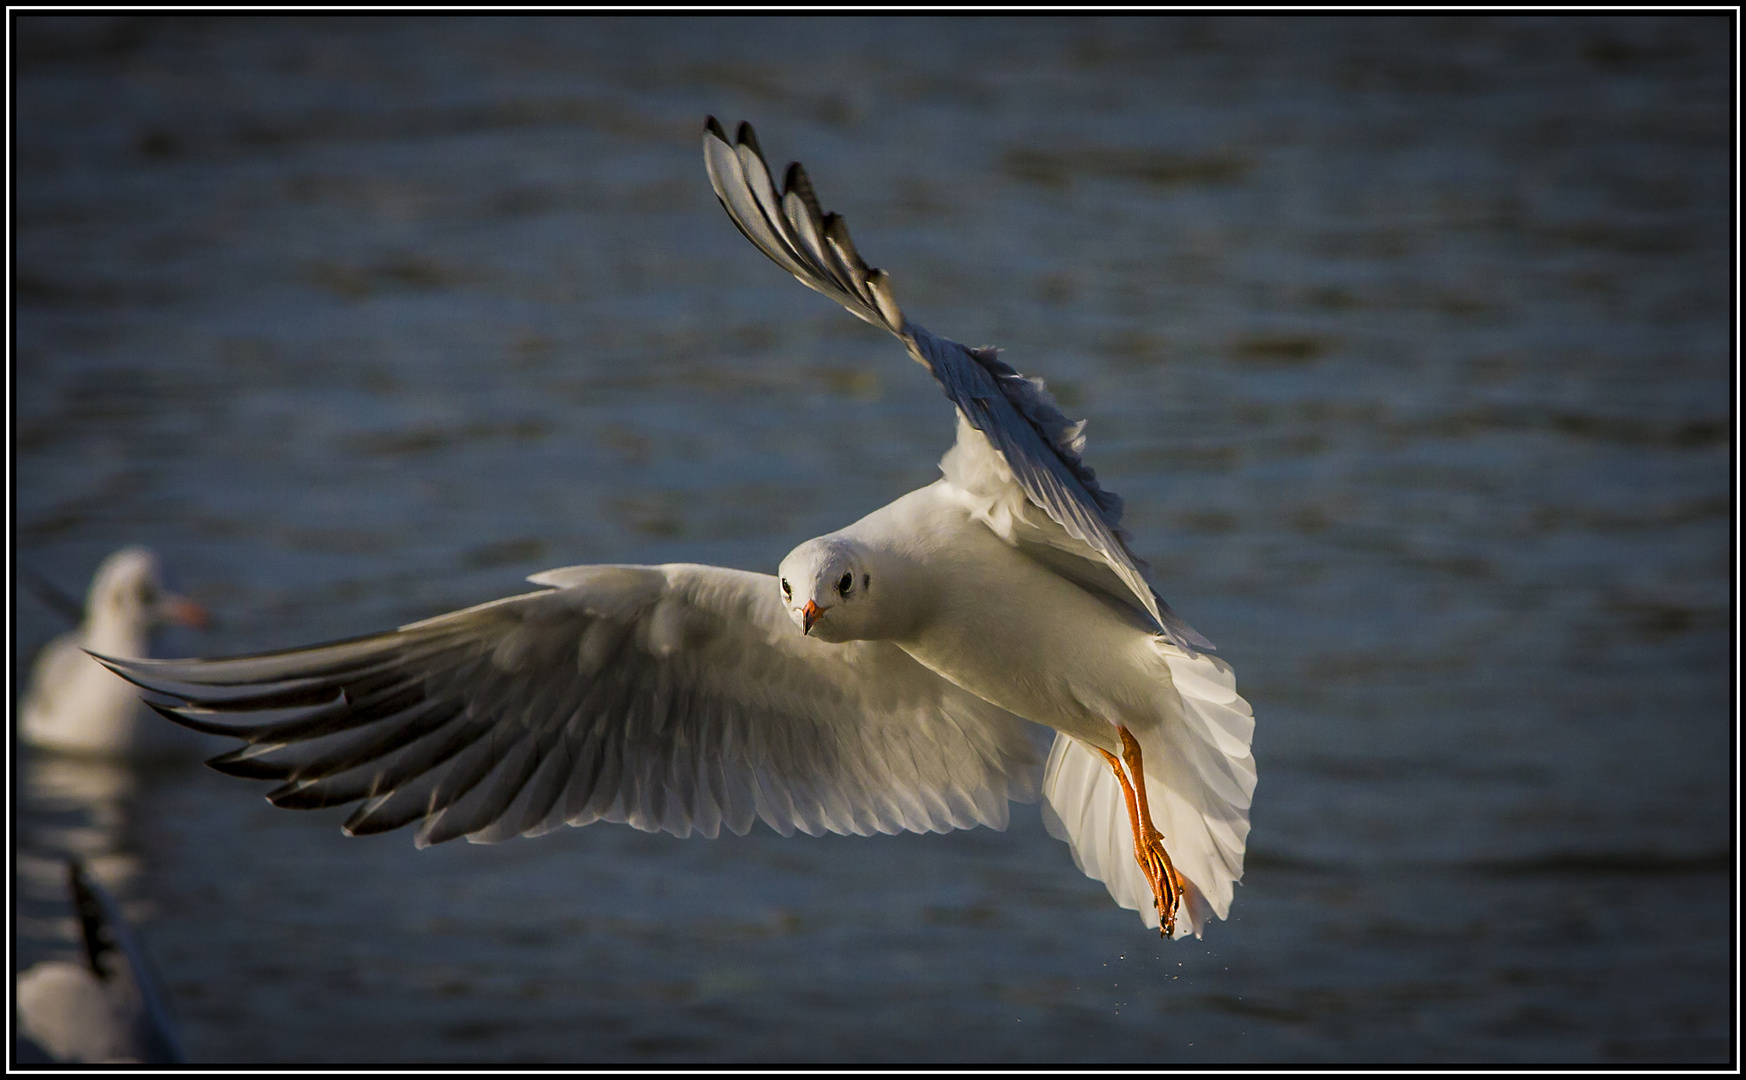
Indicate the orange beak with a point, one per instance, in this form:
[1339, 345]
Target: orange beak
[810, 614]
[184, 612]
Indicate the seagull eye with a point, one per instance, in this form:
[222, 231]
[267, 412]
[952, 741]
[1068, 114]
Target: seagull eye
[787, 593]
[846, 584]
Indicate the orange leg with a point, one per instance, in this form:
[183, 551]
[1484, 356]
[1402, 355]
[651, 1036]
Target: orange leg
[1149, 850]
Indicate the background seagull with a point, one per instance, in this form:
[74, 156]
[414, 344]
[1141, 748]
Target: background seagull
[71, 703]
[111, 1008]
[880, 682]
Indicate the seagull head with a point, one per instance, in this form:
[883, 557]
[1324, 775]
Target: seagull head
[825, 587]
[128, 592]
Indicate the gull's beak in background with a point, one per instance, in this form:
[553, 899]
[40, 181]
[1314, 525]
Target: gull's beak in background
[810, 614]
[183, 612]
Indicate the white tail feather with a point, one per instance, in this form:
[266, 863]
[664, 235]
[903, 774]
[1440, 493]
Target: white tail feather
[1200, 776]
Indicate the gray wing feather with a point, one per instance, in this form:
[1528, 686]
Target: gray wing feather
[1019, 417]
[673, 698]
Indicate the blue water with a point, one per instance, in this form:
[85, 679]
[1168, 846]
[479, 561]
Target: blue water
[1406, 341]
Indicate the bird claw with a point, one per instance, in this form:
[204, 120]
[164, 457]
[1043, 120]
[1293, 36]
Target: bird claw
[1167, 886]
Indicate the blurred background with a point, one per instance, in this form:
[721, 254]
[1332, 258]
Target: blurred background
[1407, 342]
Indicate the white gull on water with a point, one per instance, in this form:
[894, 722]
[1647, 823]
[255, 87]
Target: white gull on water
[881, 681]
[111, 1008]
[71, 704]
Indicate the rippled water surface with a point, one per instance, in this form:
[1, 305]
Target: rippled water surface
[1406, 342]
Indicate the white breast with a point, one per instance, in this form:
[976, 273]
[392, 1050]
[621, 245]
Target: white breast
[1011, 631]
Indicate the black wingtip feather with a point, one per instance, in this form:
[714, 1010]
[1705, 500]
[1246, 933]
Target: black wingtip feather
[362, 824]
[299, 795]
[713, 126]
[797, 182]
[748, 138]
[116, 665]
[168, 712]
[249, 768]
[171, 713]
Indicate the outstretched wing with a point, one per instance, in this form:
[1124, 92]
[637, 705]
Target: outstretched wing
[1017, 415]
[672, 698]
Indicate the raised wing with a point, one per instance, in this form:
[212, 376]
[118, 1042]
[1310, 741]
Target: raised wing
[1017, 415]
[672, 698]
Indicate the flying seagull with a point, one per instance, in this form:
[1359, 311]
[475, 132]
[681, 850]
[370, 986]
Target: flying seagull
[881, 681]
